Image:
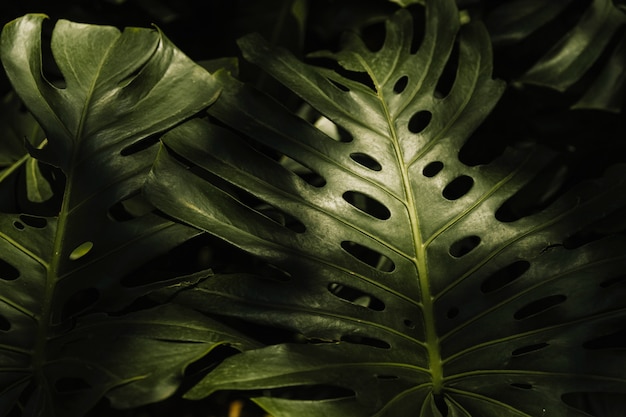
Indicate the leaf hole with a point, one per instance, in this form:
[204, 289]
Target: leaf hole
[464, 246]
[529, 349]
[68, 385]
[367, 204]
[19, 225]
[34, 221]
[409, 323]
[536, 195]
[356, 296]
[615, 340]
[539, 306]
[386, 377]
[339, 86]
[369, 256]
[441, 404]
[420, 121]
[302, 171]
[604, 284]
[130, 208]
[140, 145]
[79, 302]
[333, 130]
[81, 250]
[367, 341]
[458, 187]
[282, 218]
[452, 313]
[374, 36]
[7, 271]
[504, 276]
[432, 169]
[522, 385]
[418, 12]
[5, 324]
[366, 161]
[448, 75]
[401, 84]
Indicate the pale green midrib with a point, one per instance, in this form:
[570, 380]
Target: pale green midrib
[427, 301]
[52, 278]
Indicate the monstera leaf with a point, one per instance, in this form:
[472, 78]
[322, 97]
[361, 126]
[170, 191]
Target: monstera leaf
[119, 90]
[597, 32]
[410, 289]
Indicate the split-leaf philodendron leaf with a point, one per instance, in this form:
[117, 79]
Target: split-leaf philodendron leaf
[412, 293]
[59, 276]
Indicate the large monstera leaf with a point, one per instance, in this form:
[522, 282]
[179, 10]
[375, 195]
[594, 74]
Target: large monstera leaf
[412, 293]
[597, 32]
[119, 90]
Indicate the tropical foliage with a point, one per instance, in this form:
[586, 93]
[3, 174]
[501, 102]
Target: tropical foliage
[394, 221]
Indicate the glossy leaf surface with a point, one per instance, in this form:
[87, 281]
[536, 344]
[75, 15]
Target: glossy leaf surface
[119, 90]
[412, 293]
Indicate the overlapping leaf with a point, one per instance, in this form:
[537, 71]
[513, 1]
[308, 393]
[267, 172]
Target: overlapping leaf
[598, 32]
[415, 294]
[119, 90]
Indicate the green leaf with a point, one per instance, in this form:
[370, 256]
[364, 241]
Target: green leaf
[415, 295]
[597, 32]
[121, 89]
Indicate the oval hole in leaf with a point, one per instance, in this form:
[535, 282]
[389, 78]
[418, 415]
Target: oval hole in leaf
[302, 171]
[130, 208]
[504, 276]
[19, 225]
[401, 84]
[368, 341]
[452, 313]
[8, 272]
[458, 187]
[613, 281]
[5, 324]
[529, 349]
[81, 250]
[420, 121]
[385, 377]
[615, 340]
[33, 221]
[140, 145]
[464, 246]
[368, 256]
[79, 302]
[366, 161]
[521, 385]
[539, 306]
[367, 204]
[356, 296]
[68, 385]
[432, 169]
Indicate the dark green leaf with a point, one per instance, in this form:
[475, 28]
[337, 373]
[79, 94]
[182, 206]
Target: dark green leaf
[414, 295]
[120, 89]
